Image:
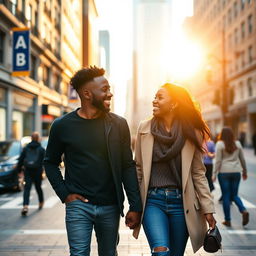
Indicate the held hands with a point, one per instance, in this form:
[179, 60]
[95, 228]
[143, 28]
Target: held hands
[210, 219]
[132, 219]
[73, 197]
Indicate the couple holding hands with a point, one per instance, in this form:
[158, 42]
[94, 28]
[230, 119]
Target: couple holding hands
[166, 185]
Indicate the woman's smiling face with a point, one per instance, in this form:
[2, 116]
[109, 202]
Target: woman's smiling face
[163, 103]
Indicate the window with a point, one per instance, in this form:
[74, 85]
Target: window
[56, 82]
[250, 54]
[13, 4]
[250, 26]
[33, 67]
[242, 30]
[236, 63]
[236, 36]
[241, 89]
[2, 40]
[230, 40]
[235, 9]
[229, 16]
[223, 3]
[242, 4]
[249, 87]
[46, 75]
[224, 21]
[29, 15]
[23, 5]
[231, 96]
[242, 58]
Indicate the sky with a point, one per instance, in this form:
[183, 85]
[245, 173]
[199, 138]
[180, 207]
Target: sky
[116, 16]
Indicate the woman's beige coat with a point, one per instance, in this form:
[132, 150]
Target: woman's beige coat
[197, 199]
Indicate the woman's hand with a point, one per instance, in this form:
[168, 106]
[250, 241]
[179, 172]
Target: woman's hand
[210, 219]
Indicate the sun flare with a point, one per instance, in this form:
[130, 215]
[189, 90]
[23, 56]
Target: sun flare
[184, 59]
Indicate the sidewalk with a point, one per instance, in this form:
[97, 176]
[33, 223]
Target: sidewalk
[249, 155]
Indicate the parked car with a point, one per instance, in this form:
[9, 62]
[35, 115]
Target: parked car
[9, 154]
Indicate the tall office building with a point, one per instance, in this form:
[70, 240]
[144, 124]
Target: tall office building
[151, 34]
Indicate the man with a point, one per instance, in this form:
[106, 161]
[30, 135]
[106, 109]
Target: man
[98, 162]
[254, 142]
[32, 159]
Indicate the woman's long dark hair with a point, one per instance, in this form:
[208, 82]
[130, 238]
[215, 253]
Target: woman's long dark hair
[188, 114]
[227, 136]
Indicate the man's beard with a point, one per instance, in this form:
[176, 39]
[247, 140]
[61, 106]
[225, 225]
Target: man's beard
[99, 104]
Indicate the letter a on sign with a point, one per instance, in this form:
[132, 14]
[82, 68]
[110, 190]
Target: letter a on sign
[20, 43]
[20, 52]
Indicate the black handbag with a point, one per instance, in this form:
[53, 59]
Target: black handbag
[212, 240]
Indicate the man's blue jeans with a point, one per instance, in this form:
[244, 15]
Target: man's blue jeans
[82, 217]
[164, 222]
[229, 183]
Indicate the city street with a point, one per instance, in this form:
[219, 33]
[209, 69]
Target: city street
[42, 233]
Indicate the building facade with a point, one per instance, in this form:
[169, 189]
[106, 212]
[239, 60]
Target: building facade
[228, 31]
[56, 39]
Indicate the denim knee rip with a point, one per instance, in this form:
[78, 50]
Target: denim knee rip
[165, 249]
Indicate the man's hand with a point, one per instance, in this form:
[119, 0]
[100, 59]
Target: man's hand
[132, 219]
[210, 219]
[73, 197]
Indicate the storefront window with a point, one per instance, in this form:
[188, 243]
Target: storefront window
[22, 124]
[22, 116]
[2, 124]
[2, 114]
[17, 127]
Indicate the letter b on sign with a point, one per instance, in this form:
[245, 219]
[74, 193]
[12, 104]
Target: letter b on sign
[20, 60]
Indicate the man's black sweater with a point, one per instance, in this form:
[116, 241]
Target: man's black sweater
[90, 170]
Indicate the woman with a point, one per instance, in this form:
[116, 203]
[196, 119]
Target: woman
[229, 165]
[174, 190]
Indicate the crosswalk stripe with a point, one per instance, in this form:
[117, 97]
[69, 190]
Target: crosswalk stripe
[17, 203]
[242, 232]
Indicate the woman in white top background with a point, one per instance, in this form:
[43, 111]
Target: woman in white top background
[229, 164]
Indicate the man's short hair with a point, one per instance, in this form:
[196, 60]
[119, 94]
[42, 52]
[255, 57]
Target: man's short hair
[85, 75]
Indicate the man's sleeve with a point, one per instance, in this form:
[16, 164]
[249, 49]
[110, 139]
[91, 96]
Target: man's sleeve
[52, 160]
[129, 176]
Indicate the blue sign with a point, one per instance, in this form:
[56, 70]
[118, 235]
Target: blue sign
[21, 52]
[73, 96]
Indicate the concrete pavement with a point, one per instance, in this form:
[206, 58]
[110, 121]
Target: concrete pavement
[42, 233]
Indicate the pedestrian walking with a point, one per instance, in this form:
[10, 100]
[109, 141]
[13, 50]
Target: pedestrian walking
[254, 142]
[242, 138]
[229, 164]
[174, 189]
[208, 161]
[98, 164]
[31, 159]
